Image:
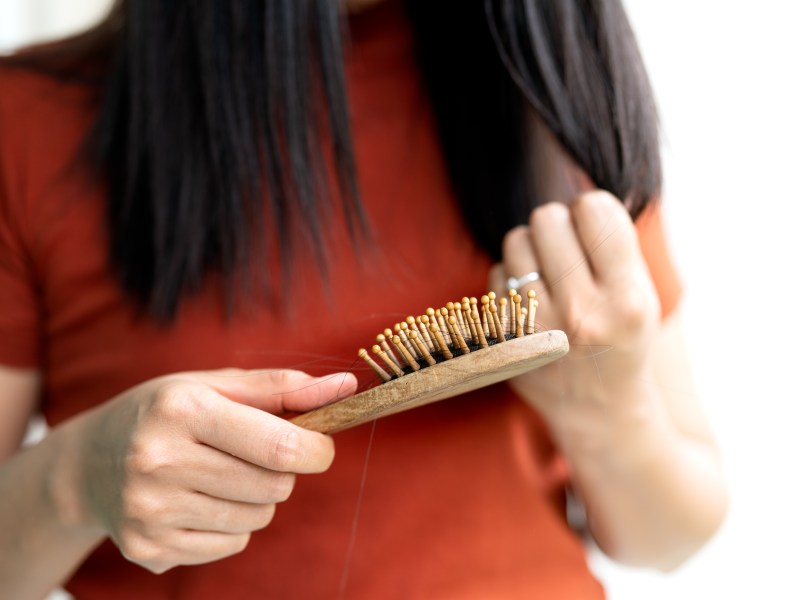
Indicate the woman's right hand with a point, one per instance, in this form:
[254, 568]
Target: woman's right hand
[181, 469]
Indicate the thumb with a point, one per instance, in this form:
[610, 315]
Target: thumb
[497, 278]
[279, 390]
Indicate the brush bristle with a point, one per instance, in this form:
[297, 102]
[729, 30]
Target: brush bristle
[455, 329]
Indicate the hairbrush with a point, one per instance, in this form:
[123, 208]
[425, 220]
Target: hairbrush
[445, 352]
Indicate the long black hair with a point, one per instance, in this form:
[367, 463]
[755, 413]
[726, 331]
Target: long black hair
[209, 107]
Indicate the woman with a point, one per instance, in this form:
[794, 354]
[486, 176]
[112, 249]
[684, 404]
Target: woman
[194, 186]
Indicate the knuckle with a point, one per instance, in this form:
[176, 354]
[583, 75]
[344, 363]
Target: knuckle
[282, 487]
[178, 400]
[265, 517]
[278, 376]
[142, 551]
[283, 377]
[515, 239]
[549, 213]
[285, 450]
[573, 315]
[238, 543]
[588, 324]
[244, 539]
[147, 457]
[140, 509]
[158, 568]
[635, 308]
[603, 197]
[600, 204]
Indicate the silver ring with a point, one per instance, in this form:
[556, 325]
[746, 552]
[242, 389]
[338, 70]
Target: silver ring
[515, 283]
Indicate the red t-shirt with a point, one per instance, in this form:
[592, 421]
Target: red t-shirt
[460, 499]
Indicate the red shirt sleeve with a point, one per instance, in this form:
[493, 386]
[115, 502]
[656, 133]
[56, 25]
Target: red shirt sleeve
[20, 320]
[653, 243]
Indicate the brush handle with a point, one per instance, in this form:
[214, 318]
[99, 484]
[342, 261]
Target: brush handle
[447, 379]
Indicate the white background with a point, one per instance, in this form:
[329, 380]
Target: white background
[725, 75]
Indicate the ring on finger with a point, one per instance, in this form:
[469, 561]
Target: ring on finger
[515, 283]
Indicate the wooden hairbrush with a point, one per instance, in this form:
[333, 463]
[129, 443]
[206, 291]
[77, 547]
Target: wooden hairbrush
[446, 352]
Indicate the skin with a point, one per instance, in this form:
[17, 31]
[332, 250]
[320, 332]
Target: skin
[643, 458]
[622, 405]
[178, 470]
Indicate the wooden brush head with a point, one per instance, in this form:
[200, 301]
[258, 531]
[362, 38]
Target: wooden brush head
[458, 348]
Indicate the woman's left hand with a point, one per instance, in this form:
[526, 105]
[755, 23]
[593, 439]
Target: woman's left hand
[596, 287]
[642, 456]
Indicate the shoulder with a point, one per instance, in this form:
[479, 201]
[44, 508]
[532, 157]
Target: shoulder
[34, 101]
[44, 119]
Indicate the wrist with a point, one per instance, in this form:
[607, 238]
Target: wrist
[66, 480]
[622, 427]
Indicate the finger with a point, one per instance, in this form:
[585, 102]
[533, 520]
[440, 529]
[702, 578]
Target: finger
[220, 475]
[607, 233]
[562, 260]
[280, 390]
[518, 254]
[497, 278]
[198, 547]
[253, 435]
[199, 512]
[185, 547]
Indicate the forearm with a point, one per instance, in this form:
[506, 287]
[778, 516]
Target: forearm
[45, 536]
[653, 494]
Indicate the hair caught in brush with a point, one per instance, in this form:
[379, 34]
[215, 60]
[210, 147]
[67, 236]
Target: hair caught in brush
[207, 107]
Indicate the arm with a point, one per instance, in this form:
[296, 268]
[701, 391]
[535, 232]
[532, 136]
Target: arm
[19, 396]
[621, 405]
[654, 493]
[39, 549]
[209, 442]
